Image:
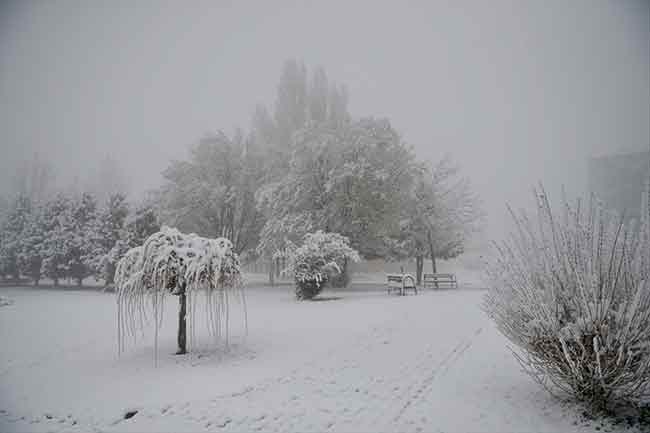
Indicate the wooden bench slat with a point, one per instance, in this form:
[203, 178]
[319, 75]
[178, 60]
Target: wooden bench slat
[401, 282]
[438, 280]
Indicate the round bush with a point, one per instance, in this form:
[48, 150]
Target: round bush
[319, 260]
[307, 290]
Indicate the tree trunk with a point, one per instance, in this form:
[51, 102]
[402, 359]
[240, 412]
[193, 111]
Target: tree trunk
[110, 274]
[271, 273]
[56, 282]
[419, 267]
[36, 280]
[182, 323]
[79, 281]
[277, 268]
[433, 255]
[341, 279]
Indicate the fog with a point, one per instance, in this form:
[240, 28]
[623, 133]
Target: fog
[517, 92]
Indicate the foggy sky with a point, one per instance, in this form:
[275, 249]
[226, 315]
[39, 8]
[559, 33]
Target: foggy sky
[515, 91]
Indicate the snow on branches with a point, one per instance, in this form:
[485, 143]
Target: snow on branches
[317, 259]
[572, 291]
[170, 262]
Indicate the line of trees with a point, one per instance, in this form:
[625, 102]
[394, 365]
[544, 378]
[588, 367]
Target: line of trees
[70, 236]
[308, 165]
[304, 165]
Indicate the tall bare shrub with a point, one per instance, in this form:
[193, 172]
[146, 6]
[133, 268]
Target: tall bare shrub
[572, 291]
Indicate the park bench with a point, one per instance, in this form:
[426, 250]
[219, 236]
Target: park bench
[401, 283]
[440, 281]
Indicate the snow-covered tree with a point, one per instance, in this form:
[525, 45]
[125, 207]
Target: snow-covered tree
[327, 101]
[213, 194]
[70, 237]
[571, 290]
[56, 213]
[317, 260]
[171, 262]
[300, 101]
[440, 216]
[136, 227]
[348, 179]
[12, 229]
[291, 101]
[79, 226]
[31, 243]
[4, 210]
[105, 229]
[141, 223]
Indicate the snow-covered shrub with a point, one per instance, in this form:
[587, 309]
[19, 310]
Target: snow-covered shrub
[171, 262]
[340, 279]
[319, 258]
[572, 292]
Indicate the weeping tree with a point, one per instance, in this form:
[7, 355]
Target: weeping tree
[172, 263]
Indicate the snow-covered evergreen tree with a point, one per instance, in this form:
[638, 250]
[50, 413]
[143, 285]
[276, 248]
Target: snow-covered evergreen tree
[141, 223]
[56, 238]
[3, 211]
[79, 228]
[32, 241]
[70, 237]
[105, 229]
[13, 226]
[136, 227]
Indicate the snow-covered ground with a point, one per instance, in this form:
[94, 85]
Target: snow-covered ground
[355, 361]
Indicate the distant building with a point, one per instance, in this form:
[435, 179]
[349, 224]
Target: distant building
[620, 181]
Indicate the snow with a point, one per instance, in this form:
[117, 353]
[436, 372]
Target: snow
[5, 301]
[355, 361]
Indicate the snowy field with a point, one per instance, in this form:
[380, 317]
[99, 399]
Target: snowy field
[355, 361]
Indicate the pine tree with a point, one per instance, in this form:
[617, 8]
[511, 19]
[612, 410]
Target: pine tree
[32, 239]
[135, 228]
[80, 256]
[12, 229]
[140, 224]
[105, 230]
[54, 249]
